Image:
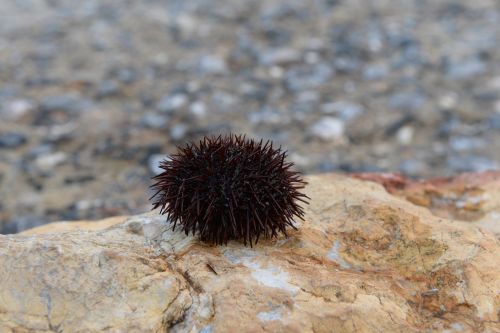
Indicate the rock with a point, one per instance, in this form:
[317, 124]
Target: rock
[375, 71]
[67, 103]
[494, 121]
[405, 135]
[16, 109]
[459, 163]
[464, 143]
[308, 77]
[179, 131]
[279, 57]
[22, 222]
[154, 120]
[59, 133]
[47, 162]
[266, 116]
[54, 227]
[328, 128]
[363, 260]
[12, 140]
[467, 68]
[343, 109]
[198, 109]
[171, 103]
[412, 167]
[154, 163]
[212, 65]
[407, 100]
[108, 88]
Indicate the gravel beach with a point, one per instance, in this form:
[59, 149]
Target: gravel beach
[93, 94]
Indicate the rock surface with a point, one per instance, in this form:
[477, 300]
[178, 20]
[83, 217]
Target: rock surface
[364, 260]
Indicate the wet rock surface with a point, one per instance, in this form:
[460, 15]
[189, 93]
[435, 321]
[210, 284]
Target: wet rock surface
[363, 260]
[92, 92]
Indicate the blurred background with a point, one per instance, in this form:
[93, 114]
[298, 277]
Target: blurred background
[93, 94]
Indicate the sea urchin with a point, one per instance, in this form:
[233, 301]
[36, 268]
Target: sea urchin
[229, 187]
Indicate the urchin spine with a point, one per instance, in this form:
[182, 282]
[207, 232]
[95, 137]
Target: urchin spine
[228, 187]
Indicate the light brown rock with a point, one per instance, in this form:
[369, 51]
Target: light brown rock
[364, 260]
[74, 225]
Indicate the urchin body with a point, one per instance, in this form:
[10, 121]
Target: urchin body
[228, 188]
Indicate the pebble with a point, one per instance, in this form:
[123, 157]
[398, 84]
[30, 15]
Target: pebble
[471, 163]
[412, 167]
[154, 163]
[266, 116]
[405, 135]
[346, 65]
[14, 110]
[21, 223]
[328, 128]
[283, 56]
[12, 140]
[375, 72]
[406, 100]
[178, 131]
[308, 77]
[171, 103]
[67, 103]
[198, 109]
[465, 69]
[47, 162]
[344, 110]
[494, 122]
[154, 120]
[108, 88]
[463, 143]
[212, 65]
[58, 133]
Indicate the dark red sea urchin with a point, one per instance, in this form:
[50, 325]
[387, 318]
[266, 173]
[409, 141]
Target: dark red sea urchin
[229, 187]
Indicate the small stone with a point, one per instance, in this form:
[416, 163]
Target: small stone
[198, 109]
[308, 77]
[375, 72]
[126, 75]
[471, 163]
[48, 162]
[494, 121]
[154, 120]
[497, 106]
[345, 110]
[448, 101]
[346, 65]
[178, 131]
[279, 57]
[405, 135]
[212, 65]
[65, 103]
[15, 109]
[266, 116]
[171, 103]
[108, 88]
[463, 143]
[407, 100]
[464, 69]
[412, 167]
[224, 100]
[154, 163]
[12, 140]
[23, 222]
[328, 128]
[62, 132]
